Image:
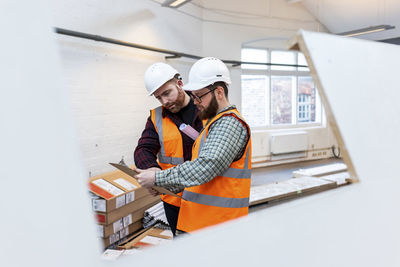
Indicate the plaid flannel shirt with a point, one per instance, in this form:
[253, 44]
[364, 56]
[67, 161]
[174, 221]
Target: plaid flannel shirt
[226, 141]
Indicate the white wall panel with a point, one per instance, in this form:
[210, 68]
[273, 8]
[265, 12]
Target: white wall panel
[105, 81]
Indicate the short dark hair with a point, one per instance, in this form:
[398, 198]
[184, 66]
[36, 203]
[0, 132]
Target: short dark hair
[223, 85]
[176, 78]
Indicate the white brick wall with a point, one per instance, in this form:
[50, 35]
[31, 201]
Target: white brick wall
[109, 102]
[108, 99]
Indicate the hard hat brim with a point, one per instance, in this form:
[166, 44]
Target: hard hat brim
[197, 86]
[193, 86]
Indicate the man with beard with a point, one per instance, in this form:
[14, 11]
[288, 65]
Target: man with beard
[162, 145]
[216, 182]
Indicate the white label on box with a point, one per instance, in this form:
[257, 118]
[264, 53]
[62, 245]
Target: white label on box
[124, 232]
[111, 254]
[114, 238]
[100, 230]
[131, 251]
[118, 225]
[112, 189]
[91, 195]
[120, 201]
[167, 233]
[125, 184]
[130, 197]
[152, 240]
[99, 205]
[127, 220]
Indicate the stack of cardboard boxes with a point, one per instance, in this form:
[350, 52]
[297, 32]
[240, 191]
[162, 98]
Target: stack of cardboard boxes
[119, 203]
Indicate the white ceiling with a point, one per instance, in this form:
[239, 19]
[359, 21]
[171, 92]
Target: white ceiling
[346, 15]
[338, 15]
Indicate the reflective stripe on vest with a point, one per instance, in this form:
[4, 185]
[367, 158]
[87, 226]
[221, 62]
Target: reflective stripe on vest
[239, 173]
[161, 155]
[233, 172]
[223, 202]
[163, 124]
[202, 141]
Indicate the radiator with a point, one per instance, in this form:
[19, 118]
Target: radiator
[288, 142]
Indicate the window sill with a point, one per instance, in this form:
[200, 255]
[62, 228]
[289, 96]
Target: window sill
[287, 128]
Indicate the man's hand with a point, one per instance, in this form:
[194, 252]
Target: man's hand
[146, 178]
[153, 169]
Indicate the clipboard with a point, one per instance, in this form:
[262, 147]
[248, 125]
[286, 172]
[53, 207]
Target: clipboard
[132, 173]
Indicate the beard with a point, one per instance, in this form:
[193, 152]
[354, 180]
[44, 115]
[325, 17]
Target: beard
[178, 103]
[211, 110]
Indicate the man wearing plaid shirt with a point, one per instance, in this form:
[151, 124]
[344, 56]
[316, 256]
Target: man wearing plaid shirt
[222, 159]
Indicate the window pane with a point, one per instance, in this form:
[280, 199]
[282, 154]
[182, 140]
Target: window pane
[306, 92]
[301, 60]
[254, 55]
[283, 57]
[255, 99]
[281, 99]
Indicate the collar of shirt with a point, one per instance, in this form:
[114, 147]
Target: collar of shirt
[222, 110]
[175, 118]
[227, 108]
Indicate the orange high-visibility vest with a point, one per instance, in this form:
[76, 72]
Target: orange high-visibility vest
[226, 196]
[171, 151]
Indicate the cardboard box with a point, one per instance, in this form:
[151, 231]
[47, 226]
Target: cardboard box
[132, 173]
[107, 230]
[114, 190]
[106, 218]
[137, 226]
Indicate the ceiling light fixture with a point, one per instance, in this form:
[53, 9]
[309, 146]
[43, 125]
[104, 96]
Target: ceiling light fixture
[174, 3]
[367, 30]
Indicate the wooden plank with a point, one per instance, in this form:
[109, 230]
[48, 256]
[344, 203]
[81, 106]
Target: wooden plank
[341, 178]
[298, 43]
[288, 189]
[320, 170]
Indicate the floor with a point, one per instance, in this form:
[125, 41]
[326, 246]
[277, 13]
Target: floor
[266, 175]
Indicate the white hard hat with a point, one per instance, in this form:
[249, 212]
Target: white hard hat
[205, 72]
[158, 74]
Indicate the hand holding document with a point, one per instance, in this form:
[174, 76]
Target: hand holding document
[146, 178]
[134, 173]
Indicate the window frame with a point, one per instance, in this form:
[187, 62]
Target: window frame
[298, 72]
